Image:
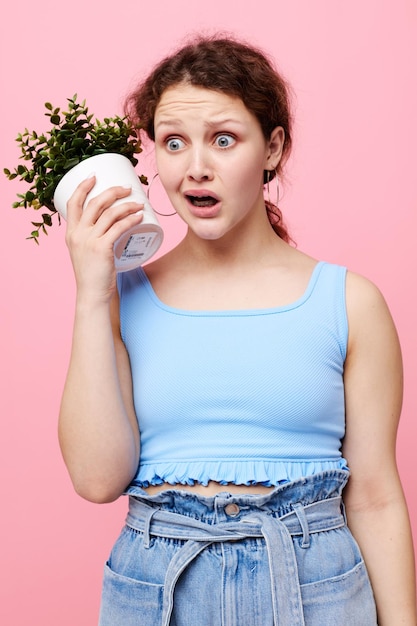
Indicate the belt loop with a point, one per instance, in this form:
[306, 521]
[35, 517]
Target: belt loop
[147, 526]
[302, 518]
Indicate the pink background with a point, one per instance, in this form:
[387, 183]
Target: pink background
[351, 198]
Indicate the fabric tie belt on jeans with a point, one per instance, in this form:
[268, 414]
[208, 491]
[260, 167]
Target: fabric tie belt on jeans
[277, 532]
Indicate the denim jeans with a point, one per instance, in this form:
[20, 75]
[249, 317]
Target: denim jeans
[286, 558]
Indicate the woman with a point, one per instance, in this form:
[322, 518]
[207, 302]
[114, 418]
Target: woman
[261, 379]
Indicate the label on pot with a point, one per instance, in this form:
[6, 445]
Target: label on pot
[138, 245]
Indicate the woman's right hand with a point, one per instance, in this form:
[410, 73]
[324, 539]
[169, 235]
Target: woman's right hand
[91, 234]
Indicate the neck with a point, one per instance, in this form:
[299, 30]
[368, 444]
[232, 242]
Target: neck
[237, 248]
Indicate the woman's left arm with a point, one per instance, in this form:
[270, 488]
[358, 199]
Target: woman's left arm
[375, 505]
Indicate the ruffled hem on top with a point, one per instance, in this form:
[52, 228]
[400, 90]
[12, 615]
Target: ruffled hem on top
[237, 472]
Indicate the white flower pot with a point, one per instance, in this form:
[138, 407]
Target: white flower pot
[137, 244]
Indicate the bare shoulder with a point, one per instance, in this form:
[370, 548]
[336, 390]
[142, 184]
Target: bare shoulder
[367, 310]
[361, 292]
[373, 344]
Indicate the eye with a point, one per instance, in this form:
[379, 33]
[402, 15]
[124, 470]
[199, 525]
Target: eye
[174, 144]
[224, 141]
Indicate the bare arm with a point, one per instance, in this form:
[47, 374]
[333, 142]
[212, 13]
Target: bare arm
[98, 429]
[375, 505]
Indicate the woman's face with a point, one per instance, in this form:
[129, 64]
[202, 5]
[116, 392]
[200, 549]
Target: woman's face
[211, 154]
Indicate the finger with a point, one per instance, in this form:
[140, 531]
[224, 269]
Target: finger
[97, 205]
[116, 214]
[76, 201]
[121, 226]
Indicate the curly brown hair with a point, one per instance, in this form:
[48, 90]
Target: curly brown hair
[232, 67]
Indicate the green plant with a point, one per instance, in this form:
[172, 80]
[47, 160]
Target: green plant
[74, 136]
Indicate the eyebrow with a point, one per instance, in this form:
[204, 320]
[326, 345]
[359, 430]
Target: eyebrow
[209, 124]
[224, 121]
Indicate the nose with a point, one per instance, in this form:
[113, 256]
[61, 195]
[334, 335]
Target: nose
[199, 166]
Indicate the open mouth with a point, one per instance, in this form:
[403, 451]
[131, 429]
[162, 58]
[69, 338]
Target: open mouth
[202, 201]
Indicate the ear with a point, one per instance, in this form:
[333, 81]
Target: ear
[274, 148]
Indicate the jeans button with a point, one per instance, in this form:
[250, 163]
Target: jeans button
[232, 510]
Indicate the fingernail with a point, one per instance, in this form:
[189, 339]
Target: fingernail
[127, 186]
[91, 175]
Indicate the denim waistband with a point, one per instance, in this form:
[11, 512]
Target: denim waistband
[147, 516]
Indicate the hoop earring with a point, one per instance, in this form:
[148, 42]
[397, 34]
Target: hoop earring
[147, 195]
[269, 176]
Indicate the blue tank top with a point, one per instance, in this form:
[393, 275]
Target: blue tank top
[243, 397]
